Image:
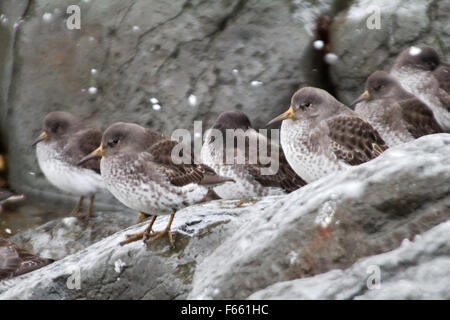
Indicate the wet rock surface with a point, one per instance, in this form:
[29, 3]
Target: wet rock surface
[362, 50]
[196, 58]
[416, 270]
[326, 233]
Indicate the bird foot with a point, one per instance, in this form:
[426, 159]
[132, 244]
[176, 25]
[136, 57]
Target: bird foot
[159, 234]
[144, 235]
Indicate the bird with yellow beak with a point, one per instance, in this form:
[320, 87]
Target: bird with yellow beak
[65, 140]
[138, 169]
[319, 135]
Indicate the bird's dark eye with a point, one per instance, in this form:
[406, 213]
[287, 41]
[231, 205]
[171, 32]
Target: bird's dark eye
[113, 142]
[306, 104]
[378, 87]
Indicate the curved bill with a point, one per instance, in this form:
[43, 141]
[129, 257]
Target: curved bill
[97, 153]
[289, 114]
[43, 136]
[365, 96]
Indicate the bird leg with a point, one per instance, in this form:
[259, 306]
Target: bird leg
[140, 235]
[76, 211]
[91, 208]
[159, 234]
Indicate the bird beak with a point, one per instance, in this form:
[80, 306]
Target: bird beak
[289, 114]
[97, 153]
[43, 136]
[365, 96]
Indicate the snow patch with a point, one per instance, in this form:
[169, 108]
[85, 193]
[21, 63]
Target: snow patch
[119, 265]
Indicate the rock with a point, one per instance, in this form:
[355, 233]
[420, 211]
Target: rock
[195, 58]
[108, 271]
[232, 249]
[62, 237]
[333, 222]
[416, 270]
[361, 50]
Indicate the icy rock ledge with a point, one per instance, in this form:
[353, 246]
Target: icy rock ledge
[328, 231]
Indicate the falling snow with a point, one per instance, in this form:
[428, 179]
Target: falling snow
[256, 83]
[92, 90]
[156, 107]
[192, 100]
[414, 51]
[119, 265]
[318, 44]
[93, 72]
[331, 58]
[47, 17]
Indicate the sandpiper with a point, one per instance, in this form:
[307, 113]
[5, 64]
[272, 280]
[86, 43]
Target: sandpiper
[396, 114]
[137, 167]
[320, 135]
[65, 140]
[249, 174]
[15, 261]
[420, 71]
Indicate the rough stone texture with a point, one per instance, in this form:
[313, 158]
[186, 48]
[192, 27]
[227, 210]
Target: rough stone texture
[228, 249]
[334, 221]
[158, 273]
[62, 237]
[361, 50]
[143, 49]
[416, 270]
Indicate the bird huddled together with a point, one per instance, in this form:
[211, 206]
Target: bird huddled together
[319, 135]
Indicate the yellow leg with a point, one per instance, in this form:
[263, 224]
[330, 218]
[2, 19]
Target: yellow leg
[78, 207]
[91, 208]
[141, 235]
[159, 234]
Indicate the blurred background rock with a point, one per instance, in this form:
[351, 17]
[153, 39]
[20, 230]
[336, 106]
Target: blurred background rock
[165, 64]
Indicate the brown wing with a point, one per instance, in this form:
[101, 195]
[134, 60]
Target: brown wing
[81, 144]
[184, 173]
[284, 178]
[15, 261]
[353, 140]
[419, 118]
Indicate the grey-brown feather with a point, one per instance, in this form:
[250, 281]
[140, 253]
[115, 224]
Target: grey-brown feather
[354, 141]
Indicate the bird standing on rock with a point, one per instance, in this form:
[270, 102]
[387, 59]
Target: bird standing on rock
[320, 135]
[250, 178]
[396, 114]
[138, 168]
[64, 140]
[420, 71]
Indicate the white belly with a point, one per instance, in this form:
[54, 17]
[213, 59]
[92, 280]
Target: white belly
[71, 179]
[310, 166]
[148, 197]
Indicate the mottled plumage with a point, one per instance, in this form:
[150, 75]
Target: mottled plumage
[420, 72]
[396, 114]
[248, 174]
[15, 261]
[139, 169]
[64, 141]
[319, 135]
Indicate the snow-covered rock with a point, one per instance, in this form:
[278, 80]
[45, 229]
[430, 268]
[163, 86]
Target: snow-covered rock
[419, 270]
[327, 233]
